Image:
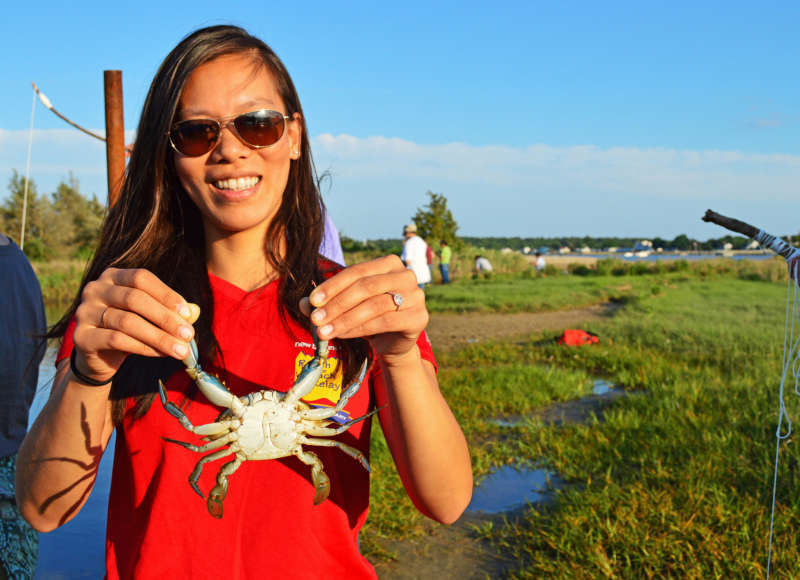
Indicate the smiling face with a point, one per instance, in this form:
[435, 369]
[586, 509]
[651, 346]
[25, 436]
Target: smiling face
[237, 189]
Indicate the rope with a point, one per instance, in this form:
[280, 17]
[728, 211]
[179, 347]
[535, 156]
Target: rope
[27, 177]
[790, 360]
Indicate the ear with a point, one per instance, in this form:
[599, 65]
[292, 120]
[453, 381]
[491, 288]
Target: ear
[294, 128]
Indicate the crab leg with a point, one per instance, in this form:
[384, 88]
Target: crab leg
[198, 468]
[215, 444]
[314, 429]
[210, 385]
[351, 451]
[326, 412]
[321, 481]
[175, 411]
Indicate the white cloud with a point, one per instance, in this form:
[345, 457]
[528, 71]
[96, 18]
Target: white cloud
[378, 183]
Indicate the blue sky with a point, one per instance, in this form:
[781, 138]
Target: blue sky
[532, 118]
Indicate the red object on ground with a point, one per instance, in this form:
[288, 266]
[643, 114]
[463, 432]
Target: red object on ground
[577, 337]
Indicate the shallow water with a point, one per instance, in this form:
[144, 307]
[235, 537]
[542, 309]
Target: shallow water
[76, 549]
[601, 387]
[507, 489]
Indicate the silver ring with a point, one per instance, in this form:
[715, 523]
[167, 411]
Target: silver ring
[397, 299]
[102, 318]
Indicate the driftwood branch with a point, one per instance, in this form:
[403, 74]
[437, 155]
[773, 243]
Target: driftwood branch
[774, 243]
[730, 224]
[46, 102]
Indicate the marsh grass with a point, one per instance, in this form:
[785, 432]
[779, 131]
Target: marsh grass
[60, 281]
[673, 483]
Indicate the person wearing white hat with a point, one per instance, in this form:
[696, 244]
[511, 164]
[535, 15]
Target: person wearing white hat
[413, 256]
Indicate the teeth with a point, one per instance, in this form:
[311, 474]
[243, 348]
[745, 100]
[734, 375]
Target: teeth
[236, 183]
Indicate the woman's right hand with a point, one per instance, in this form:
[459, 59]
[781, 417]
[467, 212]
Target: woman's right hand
[128, 311]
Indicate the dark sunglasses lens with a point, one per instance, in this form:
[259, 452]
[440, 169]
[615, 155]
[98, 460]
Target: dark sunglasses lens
[194, 138]
[260, 128]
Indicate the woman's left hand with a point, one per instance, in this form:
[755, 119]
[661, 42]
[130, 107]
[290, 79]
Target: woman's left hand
[359, 302]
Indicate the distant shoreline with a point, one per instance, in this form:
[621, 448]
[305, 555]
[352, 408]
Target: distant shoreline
[563, 260]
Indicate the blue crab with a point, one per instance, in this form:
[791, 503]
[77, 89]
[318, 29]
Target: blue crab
[266, 424]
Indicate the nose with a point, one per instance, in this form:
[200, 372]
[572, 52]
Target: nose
[229, 146]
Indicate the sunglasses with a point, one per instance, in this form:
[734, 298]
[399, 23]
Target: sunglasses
[256, 129]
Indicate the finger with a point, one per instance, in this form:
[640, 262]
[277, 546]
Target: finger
[149, 283]
[336, 284]
[121, 299]
[124, 324]
[100, 340]
[361, 322]
[124, 328]
[382, 286]
[333, 320]
[305, 306]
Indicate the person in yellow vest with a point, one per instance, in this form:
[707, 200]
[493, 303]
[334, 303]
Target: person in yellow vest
[445, 256]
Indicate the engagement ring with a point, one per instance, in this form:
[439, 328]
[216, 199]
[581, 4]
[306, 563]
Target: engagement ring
[397, 299]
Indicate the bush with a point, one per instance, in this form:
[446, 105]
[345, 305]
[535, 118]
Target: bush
[605, 267]
[621, 269]
[580, 270]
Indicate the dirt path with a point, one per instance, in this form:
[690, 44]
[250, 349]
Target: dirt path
[456, 551]
[448, 331]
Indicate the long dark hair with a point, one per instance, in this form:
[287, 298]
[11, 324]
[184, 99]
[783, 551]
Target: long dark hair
[154, 224]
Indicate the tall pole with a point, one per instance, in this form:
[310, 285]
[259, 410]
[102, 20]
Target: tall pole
[115, 133]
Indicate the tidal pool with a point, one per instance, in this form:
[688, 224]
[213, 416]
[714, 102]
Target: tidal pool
[601, 387]
[507, 489]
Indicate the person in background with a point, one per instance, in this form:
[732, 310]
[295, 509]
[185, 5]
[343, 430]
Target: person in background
[539, 263]
[482, 265]
[331, 246]
[22, 326]
[414, 255]
[445, 255]
[220, 208]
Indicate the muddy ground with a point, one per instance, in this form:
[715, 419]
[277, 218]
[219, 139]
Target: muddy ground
[456, 551]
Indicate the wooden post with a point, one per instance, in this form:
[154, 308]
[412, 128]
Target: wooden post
[115, 133]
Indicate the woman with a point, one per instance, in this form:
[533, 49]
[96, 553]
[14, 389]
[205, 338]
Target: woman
[220, 208]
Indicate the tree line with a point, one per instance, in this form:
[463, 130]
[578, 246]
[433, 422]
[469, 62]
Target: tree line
[61, 224]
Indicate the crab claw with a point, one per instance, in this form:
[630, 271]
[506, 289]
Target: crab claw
[192, 360]
[208, 384]
[322, 484]
[215, 498]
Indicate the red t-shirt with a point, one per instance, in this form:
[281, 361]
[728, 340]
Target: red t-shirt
[158, 527]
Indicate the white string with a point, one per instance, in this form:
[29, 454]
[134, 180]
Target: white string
[791, 360]
[27, 177]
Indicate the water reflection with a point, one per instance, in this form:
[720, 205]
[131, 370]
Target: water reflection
[76, 549]
[507, 489]
[601, 387]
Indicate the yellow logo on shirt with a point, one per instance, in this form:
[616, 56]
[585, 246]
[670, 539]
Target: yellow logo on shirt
[329, 385]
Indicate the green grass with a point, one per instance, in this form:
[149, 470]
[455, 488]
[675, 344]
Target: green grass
[509, 293]
[673, 483]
